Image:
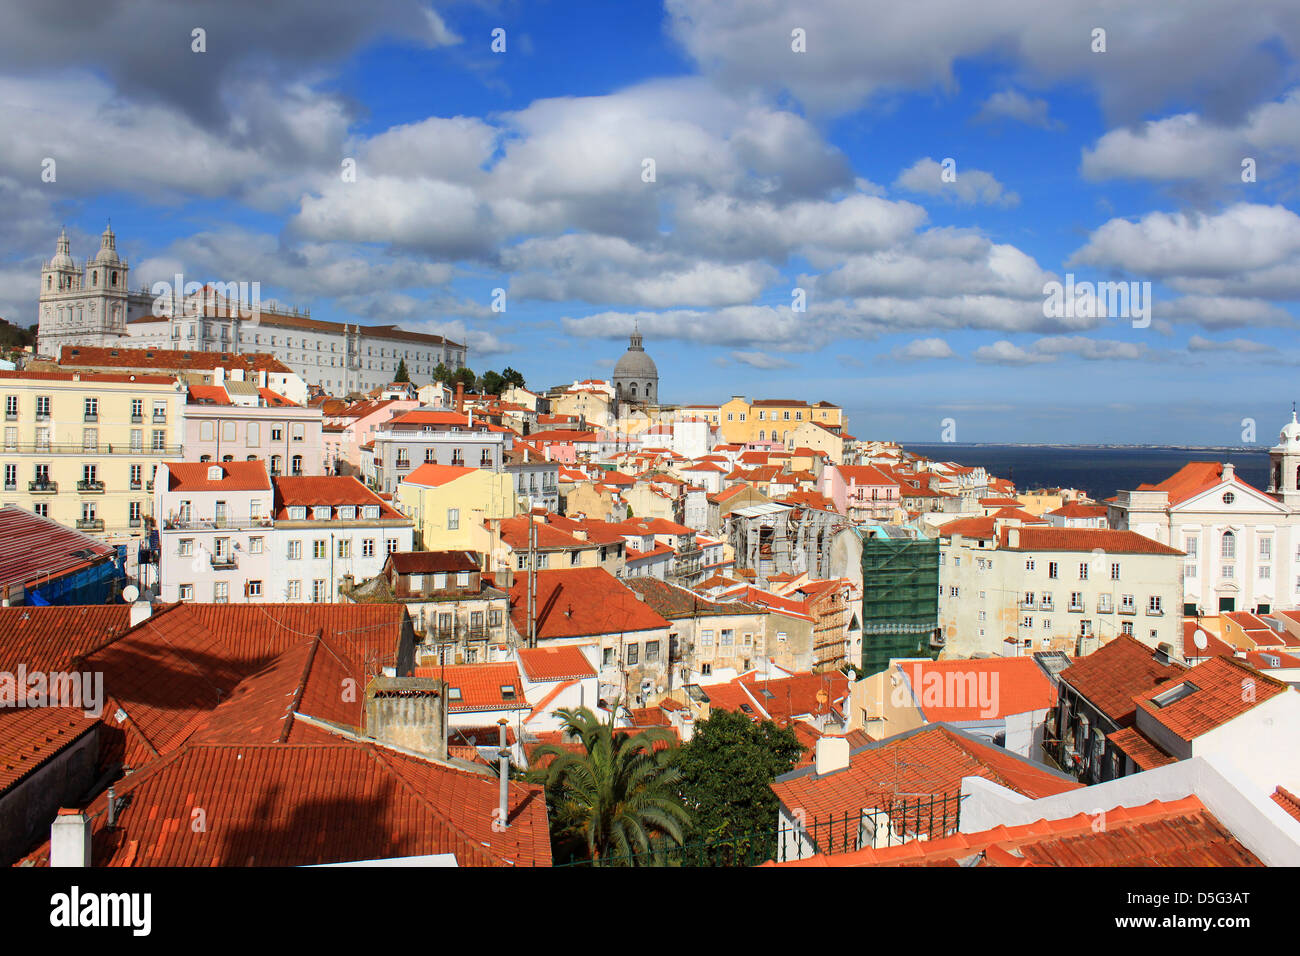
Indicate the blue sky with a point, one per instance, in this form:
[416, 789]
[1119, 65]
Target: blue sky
[775, 169]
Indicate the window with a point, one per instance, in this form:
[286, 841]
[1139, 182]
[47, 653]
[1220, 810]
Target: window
[185, 547]
[706, 638]
[277, 433]
[1265, 572]
[344, 548]
[320, 513]
[1051, 569]
[1191, 544]
[1154, 605]
[318, 549]
[294, 591]
[221, 592]
[92, 410]
[651, 651]
[295, 550]
[1085, 628]
[1126, 603]
[1027, 621]
[1114, 571]
[187, 592]
[1266, 549]
[391, 548]
[608, 657]
[633, 653]
[1126, 627]
[728, 638]
[1105, 603]
[255, 545]
[1029, 564]
[254, 588]
[229, 431]
[453, 519]
[1029, 599]
[1076, 600]
[318, 591]
[42, 406]
[1228, 549]
[89, 439]
[368, 548]
[1083, 571]
[159, 440]
[296, 463]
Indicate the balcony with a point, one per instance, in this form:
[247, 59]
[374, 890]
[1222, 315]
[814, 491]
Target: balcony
[90, 486]
[81, 448]
[136, 485]
[148, 485]
[137, 419]
[1105, 607]
[90, 524]
[160, 418]
[11, 416]
[225, 562]
[402, 464]
[135, 522]
[90, 417]
[45, 487]
[1127, 609]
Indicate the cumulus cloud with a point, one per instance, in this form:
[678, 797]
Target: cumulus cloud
[919, 349]
[1050, 348]
[968, 186]
[761, 360]
[1199, 343]
[1016, 106]
[1155, 54]
[1190, 147]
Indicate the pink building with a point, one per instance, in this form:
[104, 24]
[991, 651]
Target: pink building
[862, 492]
[354, 425]
[239, 421]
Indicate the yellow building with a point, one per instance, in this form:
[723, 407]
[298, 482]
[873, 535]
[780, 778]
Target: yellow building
[81, 448]
[770, 419]
[448, 504]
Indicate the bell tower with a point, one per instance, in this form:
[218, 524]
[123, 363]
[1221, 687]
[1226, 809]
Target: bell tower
[1284, 462]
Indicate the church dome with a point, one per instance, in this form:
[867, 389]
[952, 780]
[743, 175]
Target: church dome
[107, 255]
[636, 377]
[1290, 437]
[62, 256]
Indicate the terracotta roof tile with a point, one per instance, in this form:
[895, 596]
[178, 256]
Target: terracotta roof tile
[1111, 676]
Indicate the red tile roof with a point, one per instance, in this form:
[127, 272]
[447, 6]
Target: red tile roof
[85, 356]
[1287, 801]
[979, 689]
[333, 801]
[1111, 676]
[1190, 480]
[1225, 689]
[1145, 753]
[435, 476]
[89, 378]
[332, 490]
[1177, 833]
[1085, 539]
[555, 663]
[35, 549]
[580, 602]
[30, 736]
[191, 477]
[51, 639]
[930, 761]
[481, 686]
[433, 562]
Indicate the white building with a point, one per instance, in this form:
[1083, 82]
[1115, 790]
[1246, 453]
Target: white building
[1242, 544]
[229, 534]
[1020, 589]
[92, 305]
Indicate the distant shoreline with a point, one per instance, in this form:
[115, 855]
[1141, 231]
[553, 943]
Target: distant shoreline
[1030, 444]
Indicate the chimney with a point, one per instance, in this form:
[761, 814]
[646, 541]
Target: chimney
[832, 754]
[1228, 470]
[70, 839]
[4, 602]
[503, 806]
[460, 397]
[408, 712]
[140, 611]
[112, 807]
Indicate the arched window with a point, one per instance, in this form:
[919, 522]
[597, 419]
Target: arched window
[297, 464]
[94, 278]
[49, 282]
[114, 275]
[1229, 551]
[762, 435]
[634, 389]
[275, 464]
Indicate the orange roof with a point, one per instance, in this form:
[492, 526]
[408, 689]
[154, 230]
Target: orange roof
[1112, 676]
[31, 736]
[473, 687]
[1085, 539]
[435, 476]
[1287, 801]
[929, 761]
[86, 356]
[88, 377]
[979, 689]
[209, 395]
[192, 477]
[1143, 752]
[1190, 480]
[332, 490]
[555, 663]
[581, 602]
[49, 639]
[1220, 694]
[1176, 833]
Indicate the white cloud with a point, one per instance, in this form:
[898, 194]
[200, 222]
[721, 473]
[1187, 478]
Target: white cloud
[1014, 105]
[761, 360]
[967, 186]
[1198, 343]
[918, 349]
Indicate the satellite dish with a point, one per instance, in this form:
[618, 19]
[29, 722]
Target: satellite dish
[1200, 639]
[130, 593]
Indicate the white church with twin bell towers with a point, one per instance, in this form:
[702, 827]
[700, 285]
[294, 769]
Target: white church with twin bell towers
[93, 305]
[1242, 545]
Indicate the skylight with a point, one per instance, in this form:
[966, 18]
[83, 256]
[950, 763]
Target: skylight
[1174, 694]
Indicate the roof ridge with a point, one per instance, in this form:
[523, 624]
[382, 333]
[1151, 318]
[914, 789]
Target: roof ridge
[302, 685]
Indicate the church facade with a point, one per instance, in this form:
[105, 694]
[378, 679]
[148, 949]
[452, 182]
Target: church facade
[1242, 545]
[94, 305]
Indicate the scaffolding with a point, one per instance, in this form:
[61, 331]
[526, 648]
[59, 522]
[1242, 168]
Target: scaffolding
[900, 600]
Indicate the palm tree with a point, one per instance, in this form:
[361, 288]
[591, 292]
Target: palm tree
[619, 798]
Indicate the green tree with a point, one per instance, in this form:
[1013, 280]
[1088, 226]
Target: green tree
[493, 383]
[616, 798]
[465, 376]
[727, 769]
[442, 373]
[512, 378]
[402, 375]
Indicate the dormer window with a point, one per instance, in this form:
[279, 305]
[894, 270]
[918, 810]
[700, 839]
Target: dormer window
[214, 473]
[371, 511]
[507, 691]
[347, 512]
[1185, 689]
[298, 512]
[320, 513]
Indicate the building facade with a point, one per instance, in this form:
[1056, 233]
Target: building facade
[92, 304]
